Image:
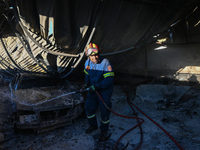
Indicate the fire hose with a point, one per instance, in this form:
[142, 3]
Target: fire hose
[123, 117]
[139, 120]
[139, 123]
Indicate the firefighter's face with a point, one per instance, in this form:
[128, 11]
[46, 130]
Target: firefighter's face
[94, 58]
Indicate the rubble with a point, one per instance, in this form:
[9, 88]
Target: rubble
[156, 92]
[180, 120]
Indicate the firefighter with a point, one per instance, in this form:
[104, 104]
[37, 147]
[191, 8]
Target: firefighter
[99, 77]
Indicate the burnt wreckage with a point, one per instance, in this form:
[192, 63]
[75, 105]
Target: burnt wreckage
[44, 103]
[29, 50]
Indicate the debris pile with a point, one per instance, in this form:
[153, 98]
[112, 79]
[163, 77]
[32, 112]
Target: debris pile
[178, 114]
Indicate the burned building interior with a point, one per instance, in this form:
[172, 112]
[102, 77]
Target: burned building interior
[153, 45]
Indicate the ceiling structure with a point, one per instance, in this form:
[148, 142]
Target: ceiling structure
[119, 27]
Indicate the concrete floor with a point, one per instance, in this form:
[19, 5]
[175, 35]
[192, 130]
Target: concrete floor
[181, 120]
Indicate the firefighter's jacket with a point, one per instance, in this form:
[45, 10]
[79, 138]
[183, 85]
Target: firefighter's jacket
[100, 75]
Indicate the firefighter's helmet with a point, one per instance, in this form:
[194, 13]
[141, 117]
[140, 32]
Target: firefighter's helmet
[92, 49]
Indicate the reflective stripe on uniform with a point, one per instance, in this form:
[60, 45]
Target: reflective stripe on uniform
[109, 74]
[86, 72]
[105, 122]
[92, 116]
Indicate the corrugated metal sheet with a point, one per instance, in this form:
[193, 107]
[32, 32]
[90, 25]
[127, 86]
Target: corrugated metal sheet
[119, 27]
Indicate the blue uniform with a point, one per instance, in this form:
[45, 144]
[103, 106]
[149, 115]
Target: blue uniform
[100, 75]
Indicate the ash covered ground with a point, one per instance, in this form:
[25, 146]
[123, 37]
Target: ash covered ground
[179, 117]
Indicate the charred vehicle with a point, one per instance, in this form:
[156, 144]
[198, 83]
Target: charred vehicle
[42, 103]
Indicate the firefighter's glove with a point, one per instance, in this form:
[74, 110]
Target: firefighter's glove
[92, 88]
[84, 87]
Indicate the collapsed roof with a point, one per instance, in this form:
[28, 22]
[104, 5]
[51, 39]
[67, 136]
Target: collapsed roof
[119, 27]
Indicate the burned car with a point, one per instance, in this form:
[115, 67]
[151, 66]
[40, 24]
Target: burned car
[44, 108]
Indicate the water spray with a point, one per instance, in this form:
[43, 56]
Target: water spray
[74, 92]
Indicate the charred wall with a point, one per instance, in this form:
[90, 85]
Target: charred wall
[179, 62]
